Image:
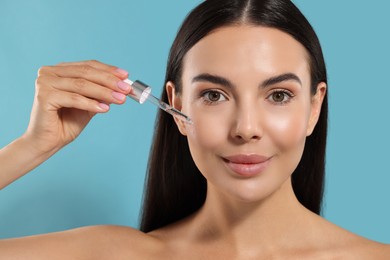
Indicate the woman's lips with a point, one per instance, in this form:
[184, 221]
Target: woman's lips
[247, 165]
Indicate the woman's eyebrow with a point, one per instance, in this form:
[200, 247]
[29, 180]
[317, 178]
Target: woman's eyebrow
[218, 80]
[280, 78]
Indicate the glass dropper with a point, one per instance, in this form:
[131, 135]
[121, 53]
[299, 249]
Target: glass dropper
[142, 92]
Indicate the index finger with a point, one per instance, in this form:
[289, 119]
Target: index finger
[120, 73]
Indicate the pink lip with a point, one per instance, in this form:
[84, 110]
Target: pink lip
[247, 165]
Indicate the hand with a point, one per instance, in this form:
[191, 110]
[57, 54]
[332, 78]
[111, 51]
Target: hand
[67, 96]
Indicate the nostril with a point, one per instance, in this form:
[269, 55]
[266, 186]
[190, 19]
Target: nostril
[247, 138]
[247, 127]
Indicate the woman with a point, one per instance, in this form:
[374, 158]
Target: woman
[245, 181]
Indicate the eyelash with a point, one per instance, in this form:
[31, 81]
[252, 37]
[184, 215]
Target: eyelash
[287, 94]
[206, 99]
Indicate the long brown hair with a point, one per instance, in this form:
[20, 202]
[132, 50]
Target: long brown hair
[174, 186]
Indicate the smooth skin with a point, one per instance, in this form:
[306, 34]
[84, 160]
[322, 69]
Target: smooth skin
[251, 217]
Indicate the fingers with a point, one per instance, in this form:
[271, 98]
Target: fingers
[87, 88]
[86, 72]
[122, 74]
[87, 85]
[74, 100]
[54, 98]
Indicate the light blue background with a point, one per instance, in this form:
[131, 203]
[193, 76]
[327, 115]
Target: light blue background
[98, 179]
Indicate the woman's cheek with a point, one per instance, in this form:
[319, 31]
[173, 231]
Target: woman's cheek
[287, 130]
[209, 128]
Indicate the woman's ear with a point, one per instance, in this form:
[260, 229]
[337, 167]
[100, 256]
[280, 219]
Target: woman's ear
[316, 104]
[176, 102]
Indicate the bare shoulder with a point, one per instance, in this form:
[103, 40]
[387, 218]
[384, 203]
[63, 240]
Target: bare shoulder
[94, 242]
[363, 248]
[123, 242]
[348, 245]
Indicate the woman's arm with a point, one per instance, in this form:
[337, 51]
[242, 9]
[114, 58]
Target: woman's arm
[67, 96]
[72, 244]
[18, 158]
[95, 242]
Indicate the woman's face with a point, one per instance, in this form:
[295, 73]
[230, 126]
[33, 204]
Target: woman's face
[247, 90]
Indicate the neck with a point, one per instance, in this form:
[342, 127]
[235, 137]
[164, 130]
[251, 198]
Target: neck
[274, 221]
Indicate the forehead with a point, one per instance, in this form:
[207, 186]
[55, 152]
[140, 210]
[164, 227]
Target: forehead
[244, 50]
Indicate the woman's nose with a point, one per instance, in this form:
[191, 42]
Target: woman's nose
[247, 126]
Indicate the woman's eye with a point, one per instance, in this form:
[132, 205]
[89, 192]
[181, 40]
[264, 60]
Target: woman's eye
[212, 97]
[280, 96]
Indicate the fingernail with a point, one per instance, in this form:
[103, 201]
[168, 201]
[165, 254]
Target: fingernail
[122, 72]
[104, 107]
[123, 85]
[118, 96]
